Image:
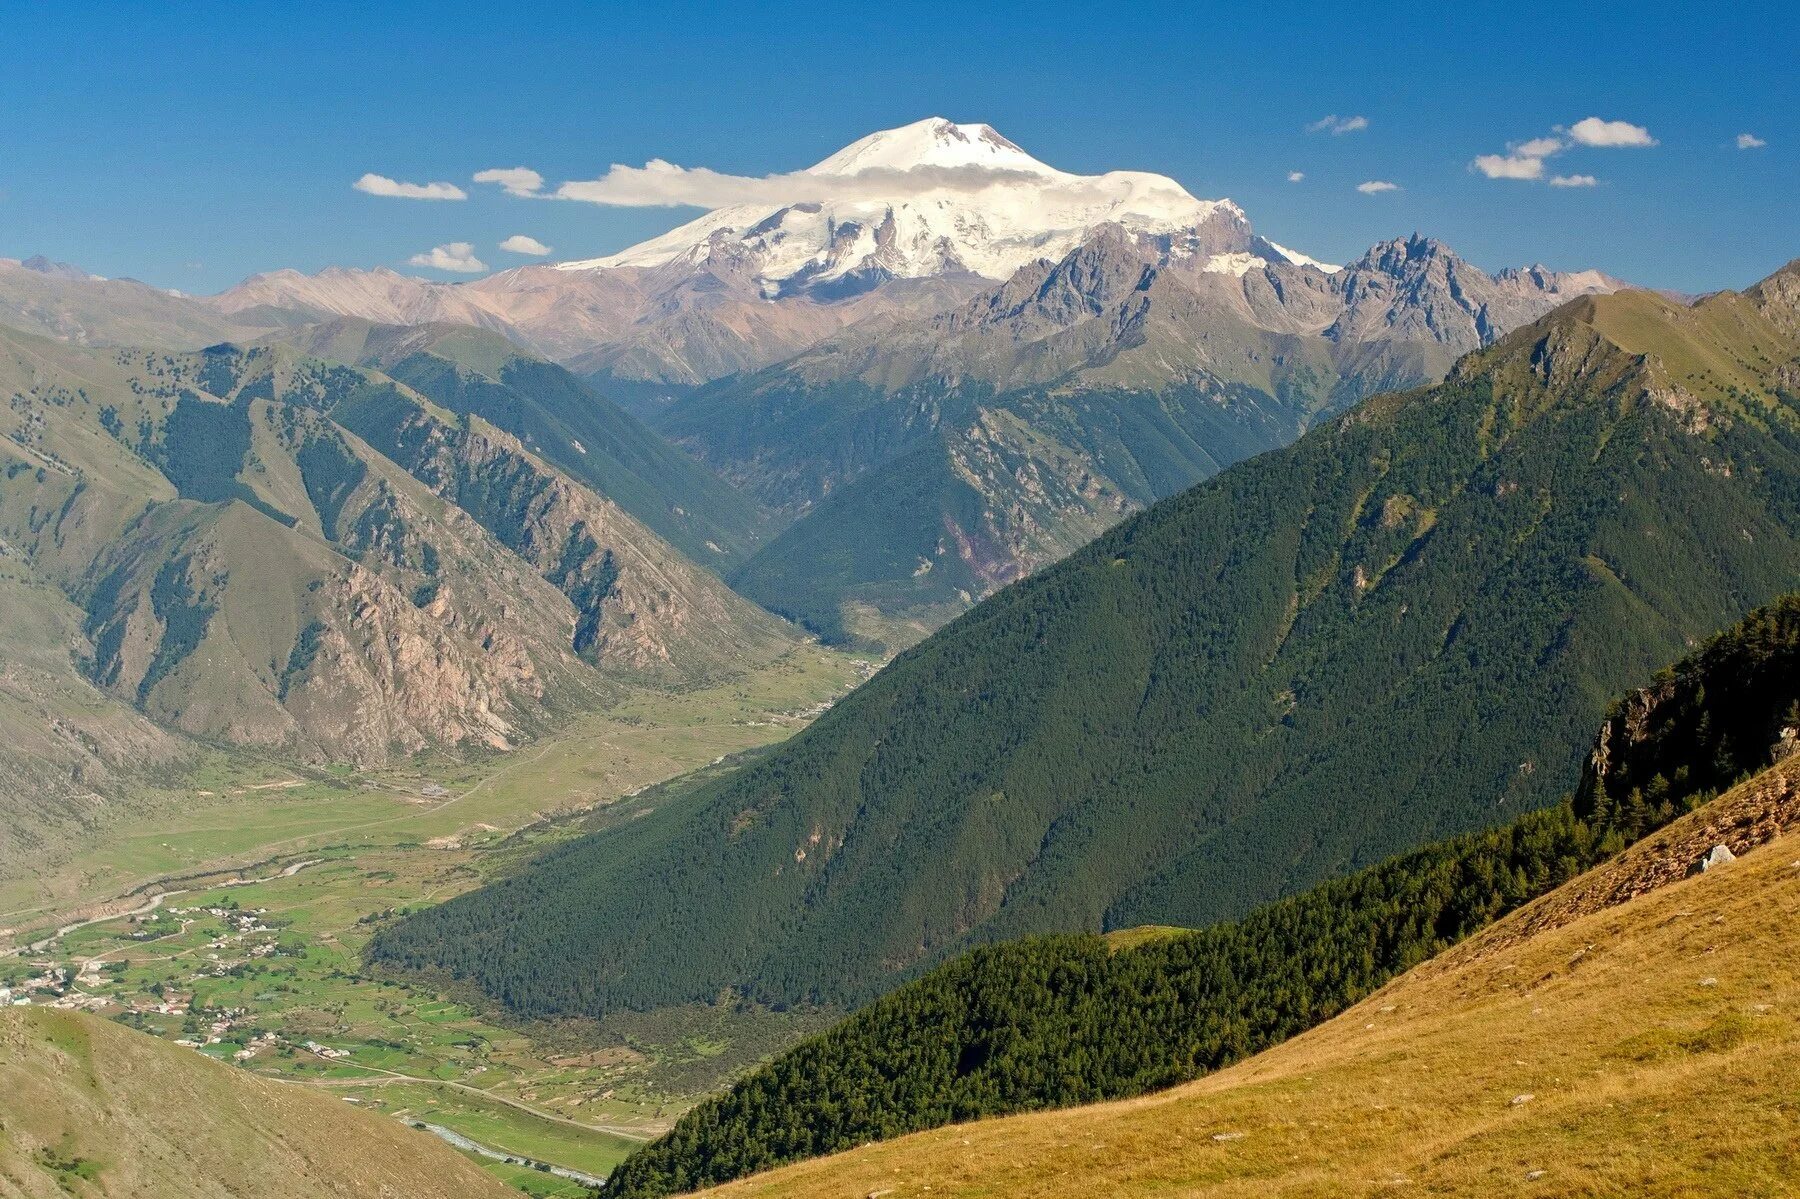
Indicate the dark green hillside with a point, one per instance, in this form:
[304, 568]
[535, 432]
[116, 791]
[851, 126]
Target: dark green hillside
[1055, 1021]
[562, 419]
[1400, 628]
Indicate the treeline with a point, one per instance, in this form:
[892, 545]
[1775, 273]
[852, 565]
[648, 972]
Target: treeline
[1052, 1021]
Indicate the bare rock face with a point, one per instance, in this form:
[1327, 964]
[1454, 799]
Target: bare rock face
[1134, 365]
[638, 606]
[264, 549]
[1416, 289]
[1778, 297]
[393, 678]
[1130, 309]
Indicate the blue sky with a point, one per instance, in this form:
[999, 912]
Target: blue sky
[192, 144]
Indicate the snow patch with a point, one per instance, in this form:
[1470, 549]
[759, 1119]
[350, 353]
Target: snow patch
[1299, 259]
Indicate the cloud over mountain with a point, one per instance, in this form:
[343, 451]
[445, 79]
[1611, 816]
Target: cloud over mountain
[660, 184]
[457, 256]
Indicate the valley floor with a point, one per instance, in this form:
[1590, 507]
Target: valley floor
[232, 915]
[1601, 1042]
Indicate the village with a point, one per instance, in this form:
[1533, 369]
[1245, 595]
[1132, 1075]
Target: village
[265, 974]
[98, 984]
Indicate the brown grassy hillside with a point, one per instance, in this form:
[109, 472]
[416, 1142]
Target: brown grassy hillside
[88, 1108]
[1636, 1033]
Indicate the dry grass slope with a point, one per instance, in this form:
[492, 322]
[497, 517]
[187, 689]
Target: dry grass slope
[91, 1109]
[1636, 1033]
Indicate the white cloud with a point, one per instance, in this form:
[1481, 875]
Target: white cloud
[1376, 186]
[660, 184]
[1574, 181]
[518, 243]
[458, 256]
[1509, 166]
[1749, 141]
[518, 181]
[1592, 131]
[381, 185]
[1296, 176]
[1540, 147]
[1335, 125]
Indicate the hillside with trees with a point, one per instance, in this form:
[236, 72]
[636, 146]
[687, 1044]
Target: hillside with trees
[1403, 627]
[1055, 1021]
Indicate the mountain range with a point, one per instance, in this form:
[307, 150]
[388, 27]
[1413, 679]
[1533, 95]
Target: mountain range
[1251, 618]
[955, 363]
[904, 221]
[930, 463]
[945, 366]
[1400, 627]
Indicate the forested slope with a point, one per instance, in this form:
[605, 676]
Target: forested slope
[1055, 1021]
[1402, 627]
[1635, 1033]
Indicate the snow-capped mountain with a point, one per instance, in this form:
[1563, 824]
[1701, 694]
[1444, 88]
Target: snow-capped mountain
[905, 222]
[938, 198]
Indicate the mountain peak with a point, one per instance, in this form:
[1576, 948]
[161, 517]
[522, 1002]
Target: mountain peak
[58, 270]
[927, 200]
[933, 142]
[1398, 253]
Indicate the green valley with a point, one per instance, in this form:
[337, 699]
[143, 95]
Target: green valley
[1402, 627]
[232, 913]
[595, 606]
